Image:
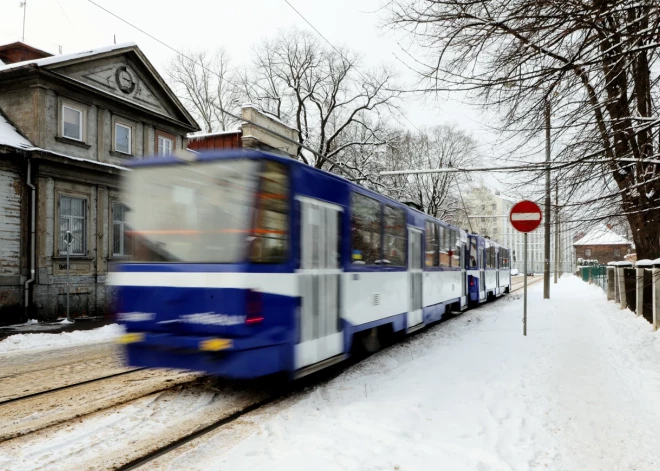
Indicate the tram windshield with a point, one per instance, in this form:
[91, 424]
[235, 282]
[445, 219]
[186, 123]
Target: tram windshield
[192, 213]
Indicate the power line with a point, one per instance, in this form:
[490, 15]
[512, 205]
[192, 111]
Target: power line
[285, 138]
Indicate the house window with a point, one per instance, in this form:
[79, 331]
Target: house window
[72, 123]
[164, 145]
[123, 138]
[587, 252]
[617, 252]
[121, 245]
[73, 218]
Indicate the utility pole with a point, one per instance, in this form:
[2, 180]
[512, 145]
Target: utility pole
[546, 267]
[556, 230]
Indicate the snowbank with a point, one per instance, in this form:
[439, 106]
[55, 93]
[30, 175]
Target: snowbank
[36, 342]
[579, 392]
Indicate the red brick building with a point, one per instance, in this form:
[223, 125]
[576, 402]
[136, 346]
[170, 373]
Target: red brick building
[602, 244]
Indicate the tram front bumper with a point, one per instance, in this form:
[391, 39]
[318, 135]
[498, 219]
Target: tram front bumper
[230, 358]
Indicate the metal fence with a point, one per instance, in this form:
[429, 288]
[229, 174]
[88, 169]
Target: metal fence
[595, 274]
[627, 284]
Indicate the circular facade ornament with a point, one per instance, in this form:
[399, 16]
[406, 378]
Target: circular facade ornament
[124, 79]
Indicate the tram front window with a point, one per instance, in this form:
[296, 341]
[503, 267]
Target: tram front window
[193, 213]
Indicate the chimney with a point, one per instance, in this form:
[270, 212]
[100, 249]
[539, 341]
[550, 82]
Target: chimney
[609, 226]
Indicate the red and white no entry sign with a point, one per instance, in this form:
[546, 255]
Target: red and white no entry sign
[525, 216]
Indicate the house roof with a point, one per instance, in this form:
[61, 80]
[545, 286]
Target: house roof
[67, 57]
[9, 135]
[20, 51]
[54, 62]
[213, 134]
[601, 235]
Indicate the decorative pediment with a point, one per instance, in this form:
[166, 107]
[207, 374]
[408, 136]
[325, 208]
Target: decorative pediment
[122, 80]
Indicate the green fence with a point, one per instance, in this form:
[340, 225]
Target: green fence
[596, 274]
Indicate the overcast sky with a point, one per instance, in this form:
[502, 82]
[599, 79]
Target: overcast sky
[77, 25]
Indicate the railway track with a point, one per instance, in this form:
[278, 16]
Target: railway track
[178, 443]
[519, 285]
[68, 386]
[23, 415]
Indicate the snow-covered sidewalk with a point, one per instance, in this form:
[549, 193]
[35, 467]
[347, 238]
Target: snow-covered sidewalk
[30, 343]
[580, 392]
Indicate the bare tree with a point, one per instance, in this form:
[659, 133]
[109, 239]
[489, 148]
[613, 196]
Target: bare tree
[589, 62]
[207, 84]
[321, 92]
[439, 146]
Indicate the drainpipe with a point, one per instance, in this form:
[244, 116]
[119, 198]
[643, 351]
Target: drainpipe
[32, 235]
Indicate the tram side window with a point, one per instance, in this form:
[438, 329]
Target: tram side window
[455, 249]
[444, 246]
[365, 230]
[488, 258]
[473, 253]
[270, 236]
[431, 249]
[395, 236]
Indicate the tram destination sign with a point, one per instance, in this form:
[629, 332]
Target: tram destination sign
[525, 216]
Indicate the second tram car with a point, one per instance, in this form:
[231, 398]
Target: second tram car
[247, 264]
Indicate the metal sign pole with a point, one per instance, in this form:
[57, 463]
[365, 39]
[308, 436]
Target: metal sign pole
[525, 216]
[525, 288]
[67, 240]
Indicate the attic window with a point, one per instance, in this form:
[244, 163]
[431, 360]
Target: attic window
[72, 123]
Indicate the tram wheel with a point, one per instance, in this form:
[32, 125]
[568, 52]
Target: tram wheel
[370, 340]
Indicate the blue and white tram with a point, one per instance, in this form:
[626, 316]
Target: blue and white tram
[246, 264]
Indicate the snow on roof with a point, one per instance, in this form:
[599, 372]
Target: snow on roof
[9, 136]
[66, 57]
[601, 235]
[268, 115]
[209, 134]
[644, 263]
[78, 159]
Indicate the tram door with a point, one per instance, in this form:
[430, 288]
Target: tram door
[497, 271]
[463, 261]
[482, 274]
[319, 327]
[415, 277]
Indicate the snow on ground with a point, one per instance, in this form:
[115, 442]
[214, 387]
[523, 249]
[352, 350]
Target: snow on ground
[580, 392]
[33, 342]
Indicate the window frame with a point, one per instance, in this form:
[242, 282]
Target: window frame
[617, 251]
[61, 248]
[587, 254]
[158, 134]
[81, 125]
[122, 232]
[130, 137]
[164, 139]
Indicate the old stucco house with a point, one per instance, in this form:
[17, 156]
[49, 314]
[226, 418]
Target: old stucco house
[68, 125]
